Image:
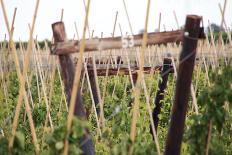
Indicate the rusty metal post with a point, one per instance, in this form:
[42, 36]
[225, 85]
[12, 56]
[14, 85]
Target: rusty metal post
[184, 77]
[67, 73]
[160, 93]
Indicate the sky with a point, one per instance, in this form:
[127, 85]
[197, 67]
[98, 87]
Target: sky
[102, 15]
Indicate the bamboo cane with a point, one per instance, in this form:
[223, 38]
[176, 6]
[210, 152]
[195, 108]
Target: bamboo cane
[160, 17]
[44, 91]
[137, 87]
[177, 23]
[93, 103]
[128, 19]
[76, 82]
[87, 25]
[75, 24]
[102, 119]
[215, 57]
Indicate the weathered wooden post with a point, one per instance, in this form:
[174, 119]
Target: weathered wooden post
[67, 73]
[134, 77]
[93, 84]
[160, 93]
[184, 77]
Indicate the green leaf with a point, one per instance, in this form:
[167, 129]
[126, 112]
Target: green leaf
[59, 145]
[20, 139]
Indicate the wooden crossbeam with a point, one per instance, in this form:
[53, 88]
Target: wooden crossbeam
[67, 47]
[124, 70]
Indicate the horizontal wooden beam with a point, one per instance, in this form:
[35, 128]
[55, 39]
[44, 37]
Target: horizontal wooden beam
[67, 47]
[124, 71]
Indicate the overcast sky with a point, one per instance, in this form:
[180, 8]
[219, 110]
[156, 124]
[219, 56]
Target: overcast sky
[102, 14]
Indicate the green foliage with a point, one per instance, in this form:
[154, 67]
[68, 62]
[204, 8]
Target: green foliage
[41, 44]
[216, 106]
[55, 141]
[217, 37]
[19, 145]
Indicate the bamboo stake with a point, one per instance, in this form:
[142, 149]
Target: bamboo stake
[102, 119]
[12, 24]
[27, 81]
[44, 90]
[150, 115]
[213, 43]
[177, 23]
[76, 82]
[208, 137]
[50, 99]
[62, 87]
[62, 15]
[226, 28]
[98, 90]
[116, 82]
[194, 98]
[38, 87]
[129, 67]
[210, 122]
[128, 19]
[221, 26]
[222, 14]
[83, 81]
[115, 22]
[147, 96]
[87, 25]
[39, 62]
[137, 88]
[160, 17]
[75, 24]
[198, 70]
[211, 52]
[224, 22]
[149, 109]
[93, 103]
[4, 85]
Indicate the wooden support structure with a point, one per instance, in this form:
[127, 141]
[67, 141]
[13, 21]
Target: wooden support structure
[162, 84]
[67, 73]
[63, 48]
[184, 77]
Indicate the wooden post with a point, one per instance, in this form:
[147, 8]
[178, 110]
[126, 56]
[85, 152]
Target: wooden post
[184, 77]
[67, 73]
[93, 84]
[134, 77]
[160, 93]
